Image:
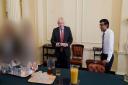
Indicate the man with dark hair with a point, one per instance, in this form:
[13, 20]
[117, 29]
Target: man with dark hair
[61, 40]
[107, 55]
[105, 21]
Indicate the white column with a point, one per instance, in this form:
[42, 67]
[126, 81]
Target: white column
[2, 11]
[123, 56]
[25, 9]
[13, 10]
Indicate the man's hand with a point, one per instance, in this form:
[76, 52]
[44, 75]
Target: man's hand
[104, 62]
[58, 44]
[64, 44]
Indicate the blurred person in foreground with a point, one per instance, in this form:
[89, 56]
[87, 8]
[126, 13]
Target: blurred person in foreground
[28, 44]
[61, 39]
[9, 43]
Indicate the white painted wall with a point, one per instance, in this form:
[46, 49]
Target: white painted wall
[83, 17]
[2, 11]
[13, 10]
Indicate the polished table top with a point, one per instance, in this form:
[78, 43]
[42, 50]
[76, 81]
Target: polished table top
[86, 78]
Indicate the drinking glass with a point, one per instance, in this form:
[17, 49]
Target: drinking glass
[126, 77]
[58, 71]
[74, 74]
[49, 65]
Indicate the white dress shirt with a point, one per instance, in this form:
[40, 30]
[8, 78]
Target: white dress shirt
[108, 45]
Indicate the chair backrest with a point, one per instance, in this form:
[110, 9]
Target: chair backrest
[97, 51]
[77, 51]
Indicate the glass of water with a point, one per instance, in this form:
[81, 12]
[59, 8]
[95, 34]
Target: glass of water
[126, 77]
[58, 71]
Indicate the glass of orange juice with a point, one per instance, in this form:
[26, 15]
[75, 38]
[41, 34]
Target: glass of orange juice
[74, 75]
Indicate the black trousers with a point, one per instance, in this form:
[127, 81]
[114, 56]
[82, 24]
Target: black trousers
[109, 64]
[63, 61]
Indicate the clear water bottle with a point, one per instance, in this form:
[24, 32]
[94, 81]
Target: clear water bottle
[126, 77]
[49, 66]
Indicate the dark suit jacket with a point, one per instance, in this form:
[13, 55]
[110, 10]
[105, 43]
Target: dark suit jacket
[67, 39]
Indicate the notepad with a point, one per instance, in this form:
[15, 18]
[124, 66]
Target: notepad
[42, 78]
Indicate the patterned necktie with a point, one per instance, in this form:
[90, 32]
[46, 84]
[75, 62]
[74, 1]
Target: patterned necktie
[61, 38]
[61, 35]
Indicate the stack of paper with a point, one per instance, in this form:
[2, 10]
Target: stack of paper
[42, 78]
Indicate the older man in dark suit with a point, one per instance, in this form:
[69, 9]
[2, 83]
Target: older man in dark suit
[61, 40]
